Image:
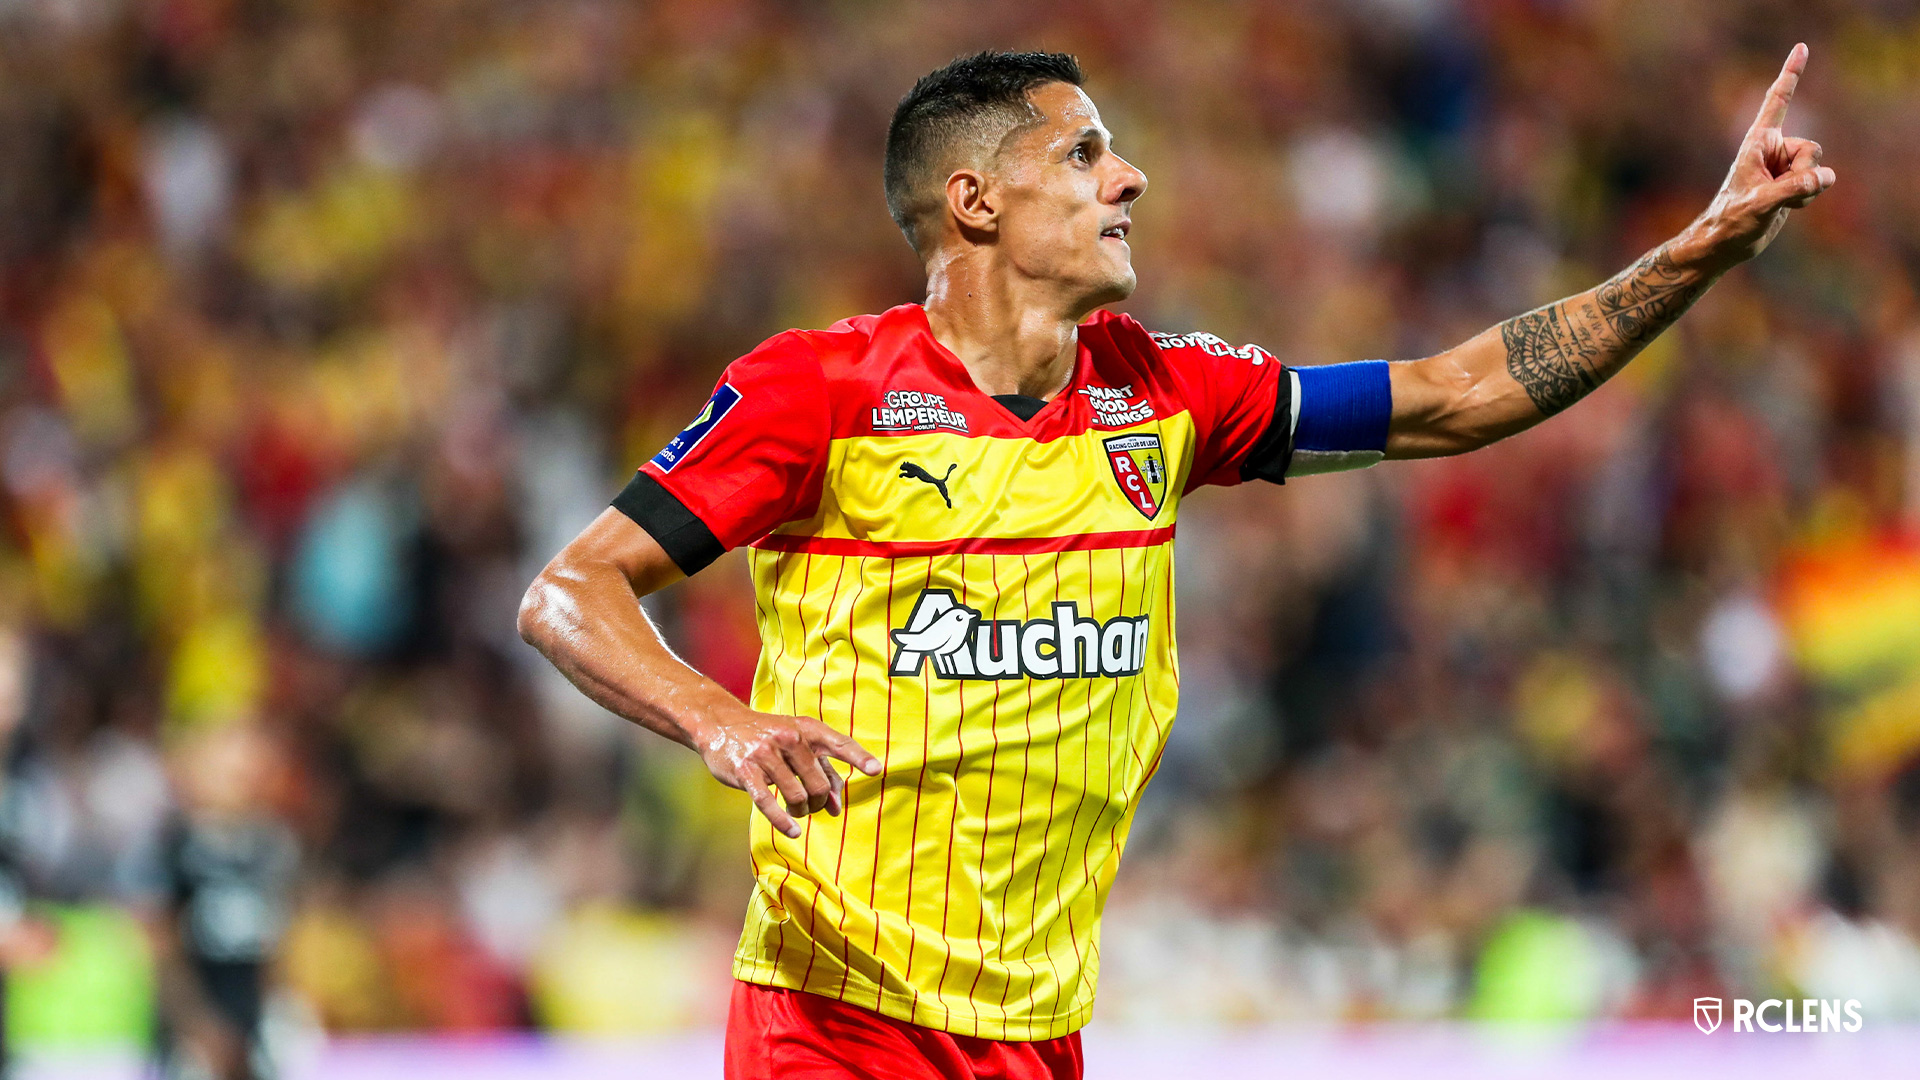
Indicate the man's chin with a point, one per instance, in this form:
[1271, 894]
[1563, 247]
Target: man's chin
[1113, 290]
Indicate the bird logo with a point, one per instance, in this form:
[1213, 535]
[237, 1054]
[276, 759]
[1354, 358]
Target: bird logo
[910, 471]
[939, 627]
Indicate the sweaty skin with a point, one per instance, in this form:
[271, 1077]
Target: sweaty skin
[1033, 239]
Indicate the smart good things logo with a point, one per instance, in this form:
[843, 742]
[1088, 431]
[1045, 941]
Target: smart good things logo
[1790, 1014]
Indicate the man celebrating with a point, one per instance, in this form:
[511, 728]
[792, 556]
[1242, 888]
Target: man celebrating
[961, 517]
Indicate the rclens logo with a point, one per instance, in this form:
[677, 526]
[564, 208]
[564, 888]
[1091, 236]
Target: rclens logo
[964, 646]
[1814, 1014]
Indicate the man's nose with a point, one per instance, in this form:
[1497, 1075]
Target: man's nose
[1133, 182]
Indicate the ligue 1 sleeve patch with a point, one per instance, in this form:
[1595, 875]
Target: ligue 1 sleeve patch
[721, 403]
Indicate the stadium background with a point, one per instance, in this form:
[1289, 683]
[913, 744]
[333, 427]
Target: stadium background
[324, 323]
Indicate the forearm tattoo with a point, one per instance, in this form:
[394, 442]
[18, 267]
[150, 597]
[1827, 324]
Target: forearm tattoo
[1561, 352]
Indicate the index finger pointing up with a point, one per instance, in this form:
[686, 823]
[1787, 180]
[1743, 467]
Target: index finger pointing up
[1773, 111]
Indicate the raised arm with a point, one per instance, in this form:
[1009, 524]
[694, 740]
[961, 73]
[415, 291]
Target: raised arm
[583, 612]
[1514, 375]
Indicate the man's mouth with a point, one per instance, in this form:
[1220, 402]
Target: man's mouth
[1116, 231]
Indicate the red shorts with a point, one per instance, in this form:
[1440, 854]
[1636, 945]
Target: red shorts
[775, 1034]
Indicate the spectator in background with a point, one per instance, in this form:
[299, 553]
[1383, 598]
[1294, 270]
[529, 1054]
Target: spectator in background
[227, 867]
[25, 938]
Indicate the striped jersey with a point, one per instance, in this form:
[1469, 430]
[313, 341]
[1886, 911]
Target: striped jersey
[986, 603]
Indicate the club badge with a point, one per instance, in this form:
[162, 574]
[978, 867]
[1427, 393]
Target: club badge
[1140, 468]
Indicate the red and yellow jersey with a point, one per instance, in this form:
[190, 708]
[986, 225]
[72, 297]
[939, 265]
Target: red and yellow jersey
[985, 603]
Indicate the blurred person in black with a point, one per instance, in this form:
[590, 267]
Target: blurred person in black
[25, 938]
[228, 869]
[1002, 176]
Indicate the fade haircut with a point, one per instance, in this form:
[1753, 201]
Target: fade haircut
[974, 101]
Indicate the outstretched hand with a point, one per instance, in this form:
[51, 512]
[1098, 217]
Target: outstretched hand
[1533, 365]
[782, 762]
[1772, 175]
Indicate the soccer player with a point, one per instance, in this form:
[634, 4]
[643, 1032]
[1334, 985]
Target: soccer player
[960, 517]
[227, 870]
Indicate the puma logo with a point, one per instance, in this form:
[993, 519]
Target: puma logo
[910, 471]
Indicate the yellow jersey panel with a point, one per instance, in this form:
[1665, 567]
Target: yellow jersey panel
[962, 887]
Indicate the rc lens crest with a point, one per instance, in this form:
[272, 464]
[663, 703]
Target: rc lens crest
[1140, 468]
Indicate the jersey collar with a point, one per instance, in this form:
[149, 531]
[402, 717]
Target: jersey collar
[957, 373]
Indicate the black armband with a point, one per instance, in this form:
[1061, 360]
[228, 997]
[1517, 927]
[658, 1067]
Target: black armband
[1272, 453]
[685, 538]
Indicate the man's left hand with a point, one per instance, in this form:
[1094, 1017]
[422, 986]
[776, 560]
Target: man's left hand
[1772, 175]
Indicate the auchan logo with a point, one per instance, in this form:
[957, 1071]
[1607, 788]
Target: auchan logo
[1065, 645]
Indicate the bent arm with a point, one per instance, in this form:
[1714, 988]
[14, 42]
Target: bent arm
[1514, 375]
[583, 613]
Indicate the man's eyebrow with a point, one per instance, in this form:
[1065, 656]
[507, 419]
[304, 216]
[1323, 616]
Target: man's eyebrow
[1090, 133]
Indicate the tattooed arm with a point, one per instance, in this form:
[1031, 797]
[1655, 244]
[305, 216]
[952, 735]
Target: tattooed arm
[1518, 373]
[1560, 352]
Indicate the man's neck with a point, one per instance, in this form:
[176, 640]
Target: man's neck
[1012, 337]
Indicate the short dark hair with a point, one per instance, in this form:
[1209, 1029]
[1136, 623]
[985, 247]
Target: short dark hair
[965, 100]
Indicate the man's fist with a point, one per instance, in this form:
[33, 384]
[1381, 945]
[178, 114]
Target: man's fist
[1771, 175]
[764, 753]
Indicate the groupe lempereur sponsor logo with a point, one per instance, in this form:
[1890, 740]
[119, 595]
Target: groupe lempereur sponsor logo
[1781, 1014]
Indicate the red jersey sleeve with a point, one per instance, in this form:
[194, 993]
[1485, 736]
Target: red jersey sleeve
[1240, 400]
[753, 458]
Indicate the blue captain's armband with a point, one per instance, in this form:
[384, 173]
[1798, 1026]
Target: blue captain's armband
[1340, 414]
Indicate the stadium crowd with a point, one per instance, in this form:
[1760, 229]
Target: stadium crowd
[324, 323]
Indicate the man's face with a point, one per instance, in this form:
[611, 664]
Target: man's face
[1067, 199]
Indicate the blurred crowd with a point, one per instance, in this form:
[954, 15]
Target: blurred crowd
[324, 323]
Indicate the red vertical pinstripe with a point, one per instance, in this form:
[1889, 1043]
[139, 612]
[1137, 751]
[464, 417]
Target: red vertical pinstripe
[953, 820]
[1020, 815]
[1053, 807]
[1172, 608]
[1113, 830]
[820, 711]
[840, 856]
[993, 770]
[780, 636]
[880, 811]
[913, 836]
[1086, 736]
[846, 947]
[1139, 681]
[820, 689]
[1159, 731]
[759, 929]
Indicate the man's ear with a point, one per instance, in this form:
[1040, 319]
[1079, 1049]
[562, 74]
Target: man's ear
[974, 206]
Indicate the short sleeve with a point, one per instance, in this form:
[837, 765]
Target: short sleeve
[752, 459]
[1240, 401]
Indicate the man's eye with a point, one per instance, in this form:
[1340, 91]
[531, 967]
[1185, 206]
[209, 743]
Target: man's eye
[1080, 153]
